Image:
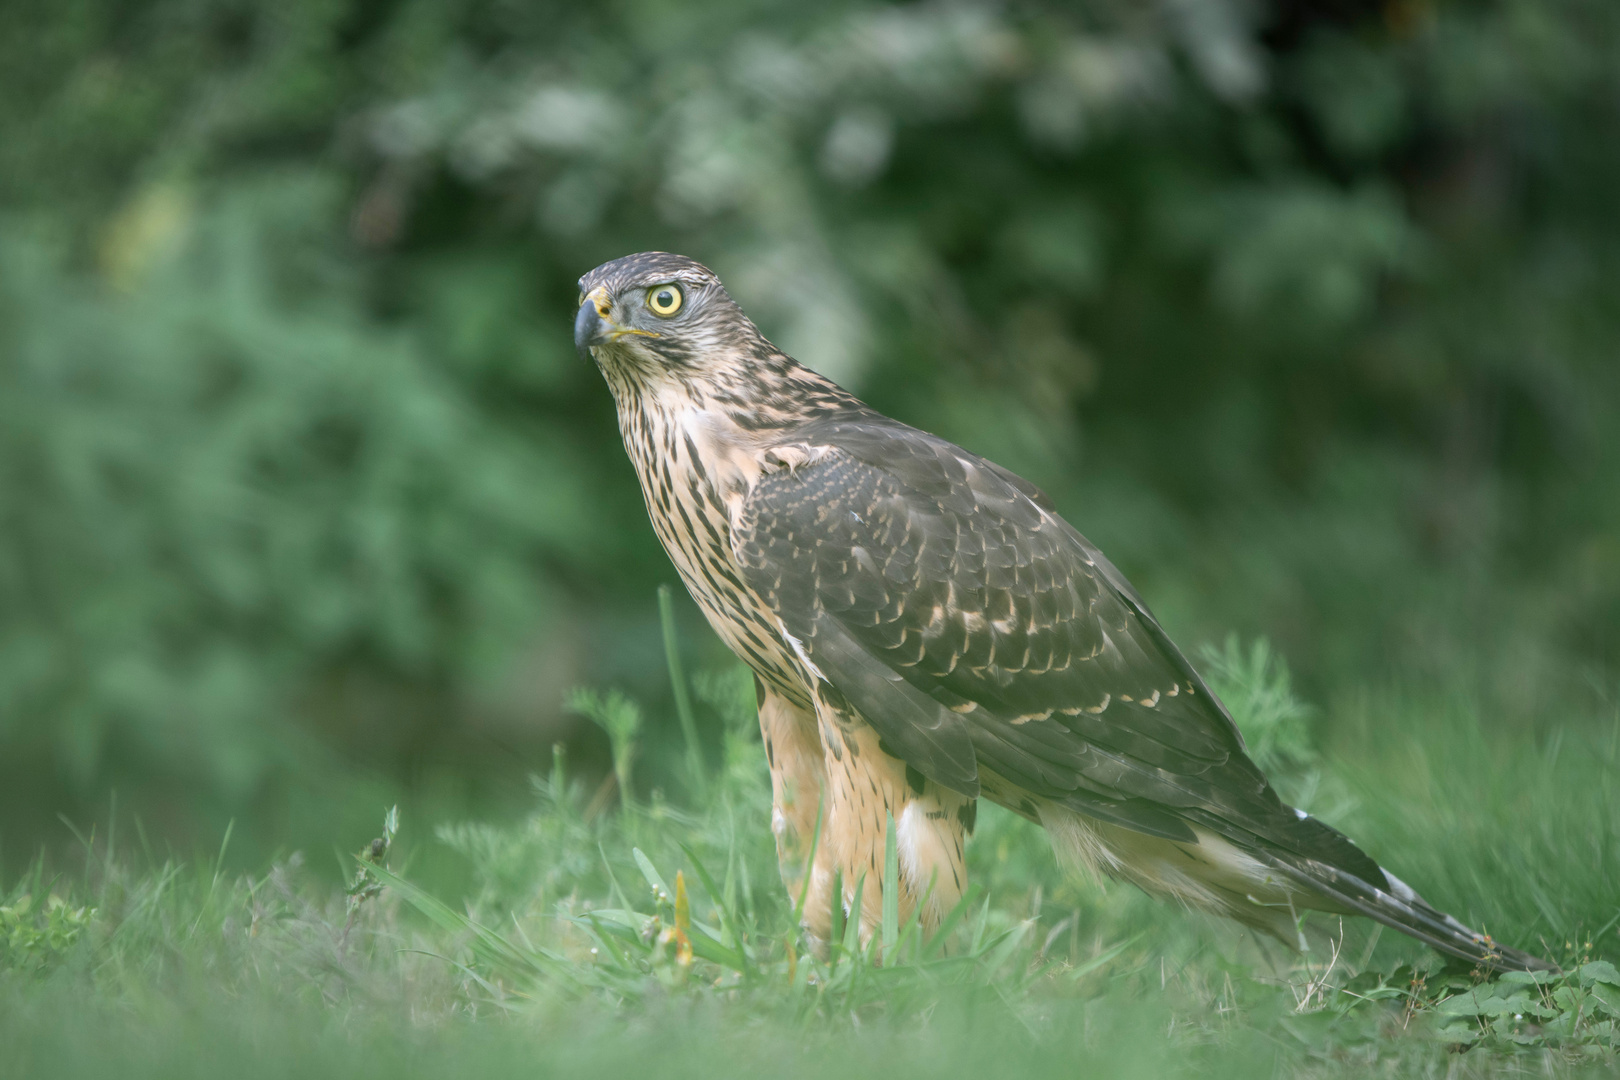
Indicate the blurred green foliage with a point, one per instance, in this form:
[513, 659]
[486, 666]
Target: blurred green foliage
[1304, 310]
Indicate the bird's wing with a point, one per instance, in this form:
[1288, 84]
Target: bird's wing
[971, 626]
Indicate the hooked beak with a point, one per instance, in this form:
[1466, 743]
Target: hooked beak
[595, 325]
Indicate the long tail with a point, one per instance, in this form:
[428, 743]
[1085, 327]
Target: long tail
[1400, 908]
[1259, 874]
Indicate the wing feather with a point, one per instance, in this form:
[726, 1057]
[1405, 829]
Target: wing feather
[972, 626]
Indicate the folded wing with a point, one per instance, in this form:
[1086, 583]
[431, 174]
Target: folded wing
[974, 628]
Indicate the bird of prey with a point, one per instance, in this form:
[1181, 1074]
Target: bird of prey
[924, 629]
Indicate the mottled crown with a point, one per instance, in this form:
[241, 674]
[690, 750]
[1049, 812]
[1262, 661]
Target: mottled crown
[650, 268]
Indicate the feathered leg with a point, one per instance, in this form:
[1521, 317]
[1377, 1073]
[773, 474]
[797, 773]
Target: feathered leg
[798, 779]
[865, 786]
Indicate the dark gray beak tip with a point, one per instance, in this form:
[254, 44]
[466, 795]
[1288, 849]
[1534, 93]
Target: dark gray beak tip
[587, 328]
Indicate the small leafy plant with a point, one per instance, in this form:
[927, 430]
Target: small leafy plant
[35, 936]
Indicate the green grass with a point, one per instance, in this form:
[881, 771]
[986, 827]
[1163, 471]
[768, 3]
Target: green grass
[595, 938]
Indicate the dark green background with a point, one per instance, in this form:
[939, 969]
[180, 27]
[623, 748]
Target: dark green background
[1307, 312]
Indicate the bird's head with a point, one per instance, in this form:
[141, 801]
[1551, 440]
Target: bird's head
[648, 316]
[663, 330]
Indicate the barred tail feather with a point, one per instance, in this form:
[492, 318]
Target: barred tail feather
[1401, 908]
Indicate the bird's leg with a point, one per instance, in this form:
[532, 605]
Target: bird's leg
[865, 786]
[793, 751]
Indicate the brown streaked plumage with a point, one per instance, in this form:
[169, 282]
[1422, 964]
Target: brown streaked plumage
[925, 629]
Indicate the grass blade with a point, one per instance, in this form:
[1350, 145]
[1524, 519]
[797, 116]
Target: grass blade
[835, 929]
[936, 943]
[852, 927]
[1080, 971]
[683, 699]
[665, 894]
[729, 925]
[491, 947]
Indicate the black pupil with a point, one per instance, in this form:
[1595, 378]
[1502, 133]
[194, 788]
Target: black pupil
[666, 298]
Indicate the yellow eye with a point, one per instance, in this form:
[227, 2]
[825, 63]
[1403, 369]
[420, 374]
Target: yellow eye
[664, 300]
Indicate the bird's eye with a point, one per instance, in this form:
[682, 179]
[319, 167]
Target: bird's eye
[581, 300]
[664, 300]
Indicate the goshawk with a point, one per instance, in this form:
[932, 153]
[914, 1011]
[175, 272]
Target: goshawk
[925, 629]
